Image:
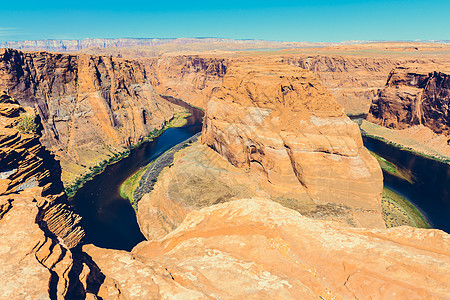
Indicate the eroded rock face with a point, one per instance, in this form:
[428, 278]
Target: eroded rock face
[280, 120]
[414, 96]
[25, 164]
[37, 226]
[257, 248]
[90, 106]
[190, 77]
[354, 81]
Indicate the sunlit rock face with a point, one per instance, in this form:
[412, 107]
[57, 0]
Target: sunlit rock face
[280, 120]
[37, 225]
[258, 248]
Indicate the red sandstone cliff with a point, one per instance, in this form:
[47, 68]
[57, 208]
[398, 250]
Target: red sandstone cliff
[414, 96]
[91, 106]
[190, 77]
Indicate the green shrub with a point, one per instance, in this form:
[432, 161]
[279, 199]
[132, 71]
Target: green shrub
[27, 123]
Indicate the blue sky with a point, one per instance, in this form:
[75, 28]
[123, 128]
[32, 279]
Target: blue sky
[314, 21]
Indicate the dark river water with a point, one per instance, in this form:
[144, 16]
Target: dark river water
[109, 220]
[431, 191]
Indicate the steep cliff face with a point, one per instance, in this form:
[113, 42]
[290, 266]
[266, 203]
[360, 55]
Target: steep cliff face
[190, 77]
[37, 226]
[281, 121]
[414, 96]
[91, 107]
[353, 80]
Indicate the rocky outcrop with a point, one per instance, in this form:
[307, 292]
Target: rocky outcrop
[280, 121]
[414, 96]
[37, 225]
[25, 164]
[354, 81]
[257, 248]
[91, 107]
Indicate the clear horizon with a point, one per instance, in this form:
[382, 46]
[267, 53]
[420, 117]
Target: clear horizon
[293, 21]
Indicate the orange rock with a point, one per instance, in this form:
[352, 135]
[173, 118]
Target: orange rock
[280, 120]
[257, 248]
[414, 96]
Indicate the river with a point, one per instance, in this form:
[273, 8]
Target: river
[108, 219]
[430, 193]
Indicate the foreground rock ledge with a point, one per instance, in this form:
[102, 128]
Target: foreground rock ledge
[258, 248]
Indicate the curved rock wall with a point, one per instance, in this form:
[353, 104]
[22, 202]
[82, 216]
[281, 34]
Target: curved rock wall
[280, 120]
[190, 77]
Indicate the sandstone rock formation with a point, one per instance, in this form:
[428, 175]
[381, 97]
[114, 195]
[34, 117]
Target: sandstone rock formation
[414, 96]
[281, 121]
[91, 107]
[25, 164]
[37, 226]
[354, 81]
[255, 248]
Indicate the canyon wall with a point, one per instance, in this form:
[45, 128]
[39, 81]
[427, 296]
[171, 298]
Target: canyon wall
[414, 96]
[91, 107]
[353, 80]
[37, 226]
[190, 77]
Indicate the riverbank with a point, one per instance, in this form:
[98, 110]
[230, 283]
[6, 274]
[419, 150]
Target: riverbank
[429, 145]
[142, 182]
[393, 169]
[179, 119]
[398, 211]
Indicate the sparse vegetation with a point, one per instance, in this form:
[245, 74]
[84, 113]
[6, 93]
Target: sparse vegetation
[129, 186]
[393, 169]
[398, 211]
[178, 120]
[27, 123]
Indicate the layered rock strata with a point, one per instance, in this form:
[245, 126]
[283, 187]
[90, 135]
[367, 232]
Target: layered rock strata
[91, 107]
[25, 164]
[37, 226]
[280, 121]
[354, 81]
[414, 96]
